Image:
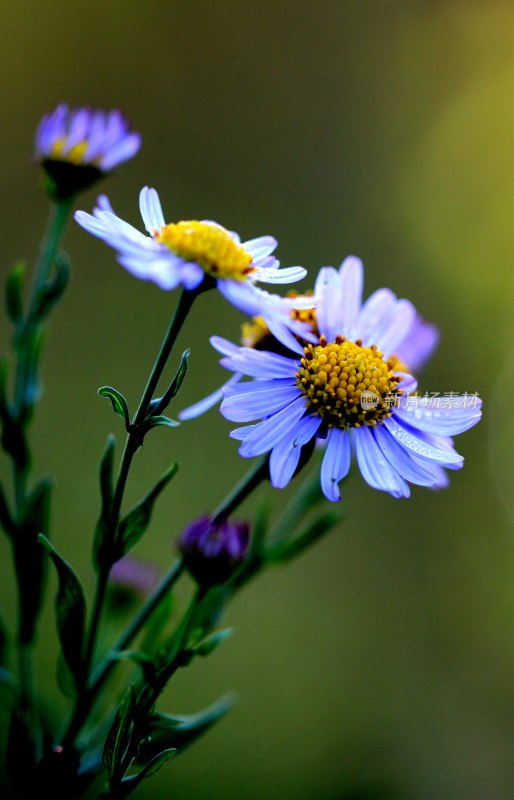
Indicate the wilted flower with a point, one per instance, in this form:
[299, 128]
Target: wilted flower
[77, 146]
[189, 253]
[351, 390]
[212, 552]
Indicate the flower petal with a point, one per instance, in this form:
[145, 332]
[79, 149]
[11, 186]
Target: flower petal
[351, 278]
[336, 463]
[375, 468]
[445, 416]
[151, 210]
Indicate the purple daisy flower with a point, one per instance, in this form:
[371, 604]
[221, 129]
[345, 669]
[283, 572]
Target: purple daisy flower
[86, 137]
[188, 252]
[351, 390]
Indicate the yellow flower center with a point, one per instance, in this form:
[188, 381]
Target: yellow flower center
[347, 384]
[210, 246]
[74, 156]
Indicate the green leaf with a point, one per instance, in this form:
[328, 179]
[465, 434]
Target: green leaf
[153, 422]
[29, 558]
[157, 406]
[128, 785]
[211, 642]
[119, 404]
[286, 550]
[145, 661]
[14, 293]
[4, 405]
[70, 609]
[169, 731]
[102, 542]
[54, 288]
[118, 738]
[134, 525]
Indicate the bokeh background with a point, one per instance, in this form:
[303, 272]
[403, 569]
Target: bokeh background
[380, 665]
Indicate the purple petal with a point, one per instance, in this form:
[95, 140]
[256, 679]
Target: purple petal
[375, 468]
[336, 463]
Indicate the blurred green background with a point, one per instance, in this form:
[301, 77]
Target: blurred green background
[379, 666]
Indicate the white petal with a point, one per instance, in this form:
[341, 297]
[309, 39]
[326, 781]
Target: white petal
[151, 210]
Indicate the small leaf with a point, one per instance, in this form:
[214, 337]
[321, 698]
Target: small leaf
[119, 404]
[70, 608]
[166, 730]
[145, 661]
[14, 293]
[54, 288]
[157, 406]
[152, 422]
[102, 543]
[118, 738]
[211, 642]
[128, 785]
[134, 525]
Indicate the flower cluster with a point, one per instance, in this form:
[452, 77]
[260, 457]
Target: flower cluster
[321, 368]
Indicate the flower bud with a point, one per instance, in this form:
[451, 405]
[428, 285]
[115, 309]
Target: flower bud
[130, 580]
[212, 552]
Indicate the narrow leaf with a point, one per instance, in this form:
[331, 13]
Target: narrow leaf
[29, 559]
[287, 550]
[157, 406]
[14, 293]
[211, 642]
[166, 730]
[119, 404]
[152, 422]
[134, 525]
[118, 737]
[128, 785]
[102, 541]
[6, 520]
[70, 608]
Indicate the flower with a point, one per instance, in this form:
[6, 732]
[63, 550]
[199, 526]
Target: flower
[190, 253]
[350, 390]
[131, 579]
[76, 147]
[212, 551]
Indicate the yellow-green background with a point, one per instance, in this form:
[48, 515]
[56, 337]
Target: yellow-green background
[380, 665]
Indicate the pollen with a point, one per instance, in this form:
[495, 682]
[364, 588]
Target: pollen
[348, 385]
[210, 246]
[74, 156]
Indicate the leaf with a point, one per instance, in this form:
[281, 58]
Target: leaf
[153, 422]
[102, 542]
[3, 644]
[157, 406]
[286, 550]
[29, 558]
[145, 661]
[54, 288]
[167, 731]
[211, 642]
[119, 404]
[14, 293]
[134, 525]
[128, 785]
[70, 609]
[118, 738]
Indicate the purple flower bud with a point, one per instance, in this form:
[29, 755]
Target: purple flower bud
[130, 580]
[213, 552]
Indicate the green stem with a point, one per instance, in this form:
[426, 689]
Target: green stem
[241, 490]
[184, 305]
[104, 668]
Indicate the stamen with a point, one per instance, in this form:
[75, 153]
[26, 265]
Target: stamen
[210, 246]
[347, 384]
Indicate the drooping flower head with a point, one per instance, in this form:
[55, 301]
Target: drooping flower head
[213, 551]
[191, 253]
[351, 389]
[77, 146]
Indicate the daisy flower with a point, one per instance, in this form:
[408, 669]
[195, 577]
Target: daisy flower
[77, 146]
[350, 389]
[187, 253]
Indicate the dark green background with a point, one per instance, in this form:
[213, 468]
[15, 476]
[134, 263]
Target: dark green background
[380, 665]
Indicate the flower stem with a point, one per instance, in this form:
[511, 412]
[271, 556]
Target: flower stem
[132, 444]
[241, 490]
